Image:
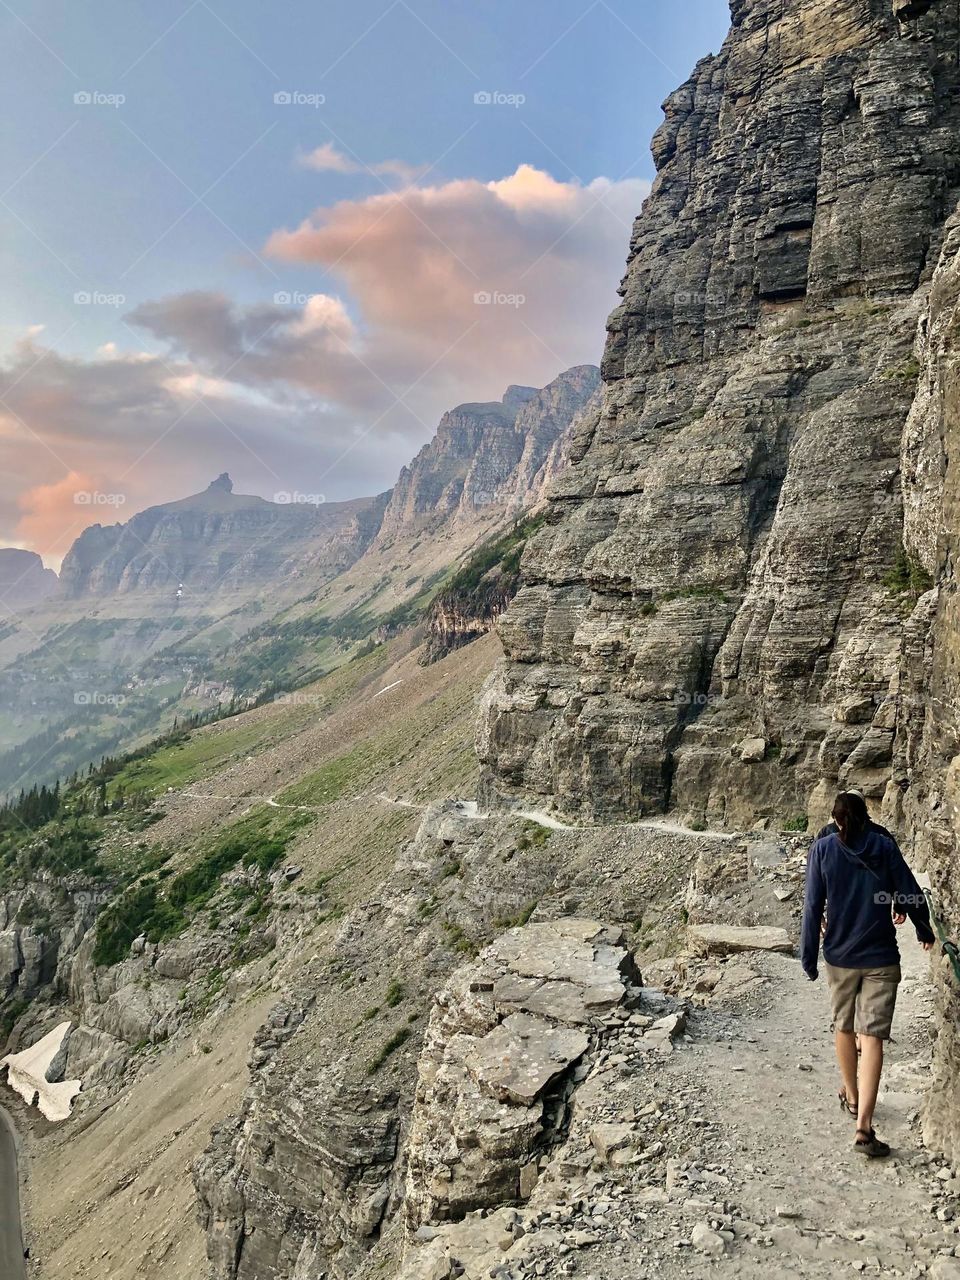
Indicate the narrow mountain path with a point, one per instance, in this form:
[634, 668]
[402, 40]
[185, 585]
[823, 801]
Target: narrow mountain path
[272, 803]
[803, 1202]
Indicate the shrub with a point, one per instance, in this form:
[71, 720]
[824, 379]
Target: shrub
[907, 576]
[798, 823]
[534, 836]
[163, 912]
[123, 921]
[909, 371]
[393, 1044]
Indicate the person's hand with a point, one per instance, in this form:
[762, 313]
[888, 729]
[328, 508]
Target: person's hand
[812, 974]
[928, 946]
[899, 919]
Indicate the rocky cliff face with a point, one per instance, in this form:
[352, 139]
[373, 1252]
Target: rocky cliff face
[219, 541]
[926, 777]
[23, 579]
[713, 619]
[486, 455]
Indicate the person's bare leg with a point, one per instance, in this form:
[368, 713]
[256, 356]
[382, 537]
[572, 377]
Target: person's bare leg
[871, 1066]
[846, 1045]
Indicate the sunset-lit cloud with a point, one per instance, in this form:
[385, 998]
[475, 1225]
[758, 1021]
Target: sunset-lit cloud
[51, 515]
[413, 300]
[328, 158]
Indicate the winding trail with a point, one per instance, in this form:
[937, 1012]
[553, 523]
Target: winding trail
[12, 1264]
[769, 1080]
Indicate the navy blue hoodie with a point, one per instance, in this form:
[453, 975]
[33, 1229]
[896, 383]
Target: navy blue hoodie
[859, 888]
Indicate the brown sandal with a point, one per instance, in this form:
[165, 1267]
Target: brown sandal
[870, 1145]
[846, 1105]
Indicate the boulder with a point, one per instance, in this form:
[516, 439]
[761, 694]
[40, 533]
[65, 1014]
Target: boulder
[499, 1062]
[725, 940]
[752, 750]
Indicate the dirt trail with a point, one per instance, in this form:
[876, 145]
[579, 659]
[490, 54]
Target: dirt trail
[806, 1204]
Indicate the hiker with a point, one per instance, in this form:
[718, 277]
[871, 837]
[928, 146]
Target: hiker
[861, 874]
[831, 829]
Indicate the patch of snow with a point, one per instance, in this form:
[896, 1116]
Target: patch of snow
[387, 688]
[27, 1074]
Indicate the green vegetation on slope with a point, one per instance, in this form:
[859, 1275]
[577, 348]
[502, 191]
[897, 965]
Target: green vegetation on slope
[908, 577]
[290, 653]
[159, 909]
[480, 590]
[499, 557]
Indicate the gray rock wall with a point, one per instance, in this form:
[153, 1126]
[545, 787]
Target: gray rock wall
[705, 624]
[486, 455]
[924, 792]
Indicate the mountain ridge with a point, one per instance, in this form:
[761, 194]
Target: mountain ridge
[24, 579]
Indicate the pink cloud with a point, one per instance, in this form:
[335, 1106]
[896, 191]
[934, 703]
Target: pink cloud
[328, 158]
[51, 515]
[416, 261]
[425, 297]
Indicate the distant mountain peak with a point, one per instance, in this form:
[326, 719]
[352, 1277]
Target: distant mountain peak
[23, 578]
[222, 484]
[516, 396]
[490, 456]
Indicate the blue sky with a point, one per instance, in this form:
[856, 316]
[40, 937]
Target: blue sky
[184, 173]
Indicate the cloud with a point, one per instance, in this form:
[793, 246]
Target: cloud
[327, 158]
[453, 291]
[84, 442]
[51, 515]
[413, 300]
[547, 253]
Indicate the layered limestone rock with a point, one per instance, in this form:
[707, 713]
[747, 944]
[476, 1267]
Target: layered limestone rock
[707, 622]
[453, 622]
[304, 1179]
[488, 455]
[924, 792]
[496, 1068]
[302, 1172]
[471, 603]
[220, 541]
[23, 579]
[42, 926]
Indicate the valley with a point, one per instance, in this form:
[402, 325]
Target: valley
[220, 600]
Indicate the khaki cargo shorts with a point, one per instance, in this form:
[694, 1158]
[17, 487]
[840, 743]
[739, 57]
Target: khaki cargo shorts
[863, 1000]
